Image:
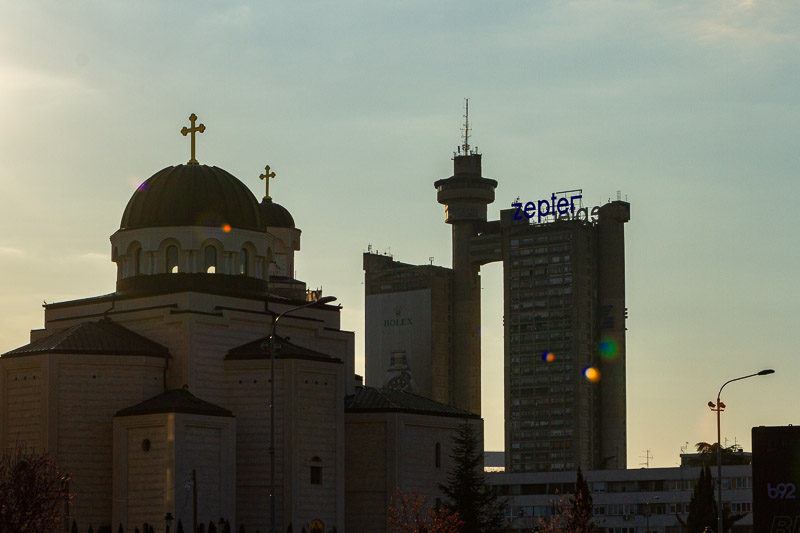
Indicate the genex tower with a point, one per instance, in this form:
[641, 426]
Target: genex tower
[465, 196]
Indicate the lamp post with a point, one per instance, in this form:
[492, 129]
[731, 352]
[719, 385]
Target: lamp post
[168, 521]
[719, 407]
[275, 318]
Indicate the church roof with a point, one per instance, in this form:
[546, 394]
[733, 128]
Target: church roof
[374, 400]
[103, 337]
[193, 195]
[175, 401]
[275, 215]
[284, 350]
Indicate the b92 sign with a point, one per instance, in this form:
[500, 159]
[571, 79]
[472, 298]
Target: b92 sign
[776, 476]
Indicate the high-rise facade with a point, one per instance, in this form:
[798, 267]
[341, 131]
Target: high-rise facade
[564, 310]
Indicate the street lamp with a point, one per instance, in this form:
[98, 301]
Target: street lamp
[275, 318]
[168, 521]
[719, 407]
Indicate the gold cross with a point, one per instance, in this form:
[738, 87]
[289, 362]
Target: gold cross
[266, 176]
[200, 129]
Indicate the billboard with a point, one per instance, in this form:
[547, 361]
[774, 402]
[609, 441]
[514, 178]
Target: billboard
[776, 479]
[399, 321]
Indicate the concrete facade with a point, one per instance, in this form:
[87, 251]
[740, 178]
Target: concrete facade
[432, 368]
[625, 501]
[395, 450]
[564, 307]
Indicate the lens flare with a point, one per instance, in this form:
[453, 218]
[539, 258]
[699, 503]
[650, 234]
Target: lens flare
[142, 186]
[608, 348]
[591, 374]
[226, 228]
[548, 357]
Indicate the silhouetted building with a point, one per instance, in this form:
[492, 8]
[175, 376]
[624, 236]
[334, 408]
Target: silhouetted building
[408, 327]
[564, 309]
[564, 320]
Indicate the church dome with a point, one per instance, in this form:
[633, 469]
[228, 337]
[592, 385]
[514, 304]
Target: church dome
[275, 215]
[193, 195]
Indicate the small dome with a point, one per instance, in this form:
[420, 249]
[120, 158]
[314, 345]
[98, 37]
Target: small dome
[275, 215]
[193, 195]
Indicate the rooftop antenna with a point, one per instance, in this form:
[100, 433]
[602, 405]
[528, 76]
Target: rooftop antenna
[647, 457]
[465, 146]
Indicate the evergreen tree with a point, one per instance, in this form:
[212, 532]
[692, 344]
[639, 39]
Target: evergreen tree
[580, 516]
[120, 530]
[289, 529]
[180, 527]
[211, 527]
[74, 527]
[702, 506]
[466, 490]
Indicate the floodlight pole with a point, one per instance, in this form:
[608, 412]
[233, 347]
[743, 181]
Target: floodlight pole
[719, 407]
[275, 318]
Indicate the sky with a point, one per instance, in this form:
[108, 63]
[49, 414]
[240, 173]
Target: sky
[690, 109]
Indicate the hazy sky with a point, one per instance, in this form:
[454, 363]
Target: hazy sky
[690, 108]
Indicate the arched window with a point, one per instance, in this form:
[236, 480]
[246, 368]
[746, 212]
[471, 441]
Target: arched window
[268, 263]
[243, 256]
[137, 262]
[211, 260]
[172, 259]
[316, 471]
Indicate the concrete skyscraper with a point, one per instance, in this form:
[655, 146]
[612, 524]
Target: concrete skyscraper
[564, 310]
[564, 320]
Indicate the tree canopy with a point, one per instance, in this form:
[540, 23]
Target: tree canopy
[707, 455]
[467, 491]
[33, 491]
[580, 516]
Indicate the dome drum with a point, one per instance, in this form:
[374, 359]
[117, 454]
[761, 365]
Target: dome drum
[167, 283]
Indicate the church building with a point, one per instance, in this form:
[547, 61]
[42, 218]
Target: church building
[156, 397]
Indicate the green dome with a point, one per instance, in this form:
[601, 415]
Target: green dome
[193, 195]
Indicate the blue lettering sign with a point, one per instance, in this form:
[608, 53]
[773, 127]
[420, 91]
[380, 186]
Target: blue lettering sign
[559, 207]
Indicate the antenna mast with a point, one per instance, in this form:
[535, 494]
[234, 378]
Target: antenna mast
[465, 146]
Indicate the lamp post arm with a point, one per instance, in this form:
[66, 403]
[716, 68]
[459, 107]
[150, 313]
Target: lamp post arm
[323, 300]
[719, 443]
[732, 380]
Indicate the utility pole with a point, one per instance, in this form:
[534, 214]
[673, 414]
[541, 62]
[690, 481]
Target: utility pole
[66, 508]
[194, 501]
